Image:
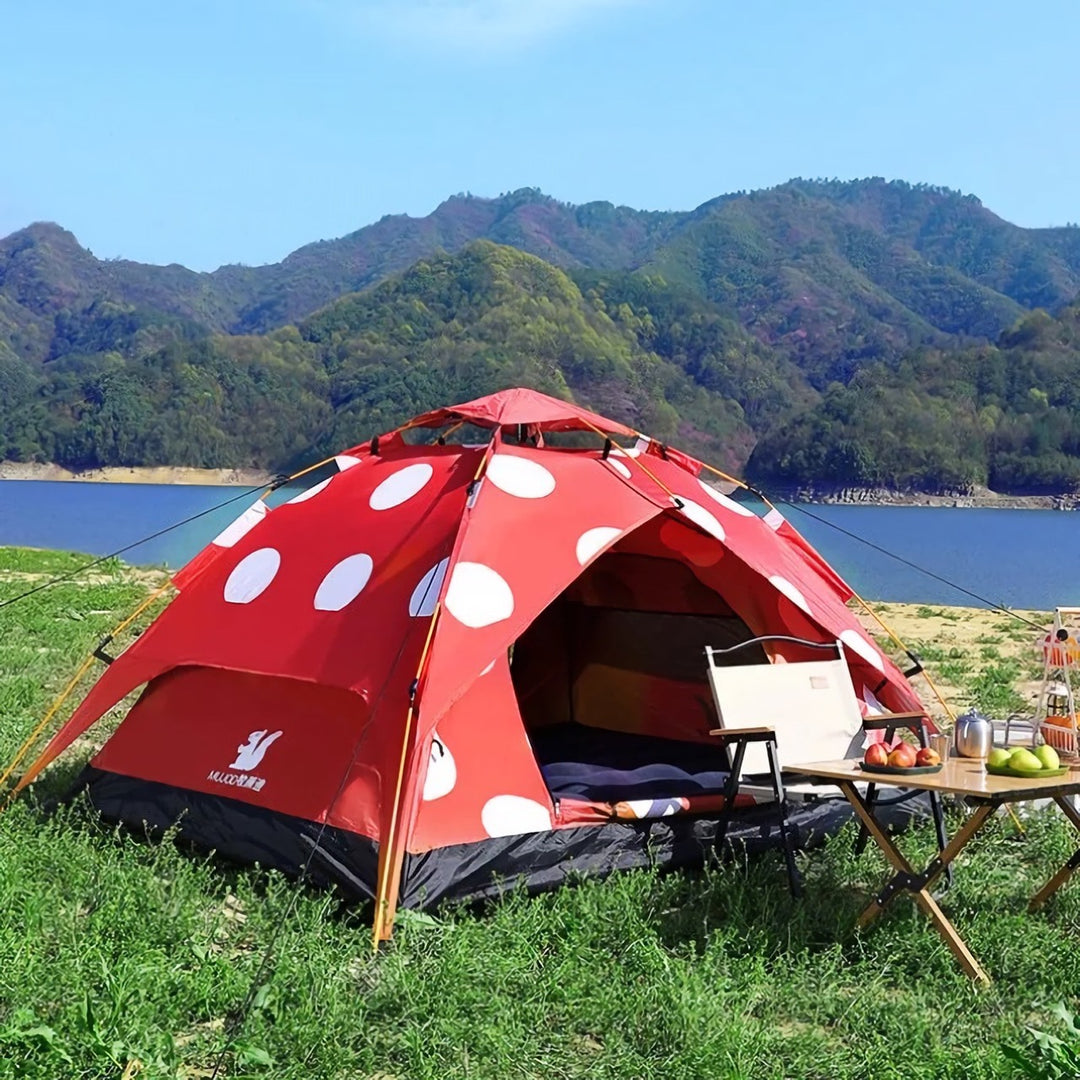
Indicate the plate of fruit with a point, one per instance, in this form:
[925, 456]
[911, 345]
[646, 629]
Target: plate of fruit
[902, 758]
[1021, 761]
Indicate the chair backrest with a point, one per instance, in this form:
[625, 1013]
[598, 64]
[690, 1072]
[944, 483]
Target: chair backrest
[811, 705]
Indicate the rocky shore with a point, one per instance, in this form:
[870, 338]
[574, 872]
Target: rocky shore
[853, 496]
[980, 497]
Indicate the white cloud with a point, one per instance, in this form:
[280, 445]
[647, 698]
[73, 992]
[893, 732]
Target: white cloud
[474, 25]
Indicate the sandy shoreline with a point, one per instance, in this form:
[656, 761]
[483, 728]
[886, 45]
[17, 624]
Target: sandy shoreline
[181, 474]
[965, 650]
[143, 474]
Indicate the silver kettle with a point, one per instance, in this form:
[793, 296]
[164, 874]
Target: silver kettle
[973, 735]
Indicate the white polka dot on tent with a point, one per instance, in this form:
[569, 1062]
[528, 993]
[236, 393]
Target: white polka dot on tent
[592, 542]
[441, 771]
[620, 467]
[401, 486]
[344, 583]
[346, 461]
[858, 644]
[726, 502]
[774, 519]
[478, 596]
[489, 669]
[236, 530]
[426, 594]
[520, 477]
[511, 815]
[252, 575]
[702, 518]
[790, 591]
[310, 492]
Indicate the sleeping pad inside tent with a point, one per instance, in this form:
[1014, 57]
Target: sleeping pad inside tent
[447, 668]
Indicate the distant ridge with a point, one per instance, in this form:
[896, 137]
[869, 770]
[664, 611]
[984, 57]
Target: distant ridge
[744, 312]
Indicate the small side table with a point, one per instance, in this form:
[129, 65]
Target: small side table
[985, 793]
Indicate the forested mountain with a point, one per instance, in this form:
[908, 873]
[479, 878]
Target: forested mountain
[883, 263]
[451, 328]
[1004, 416]
[770, 318]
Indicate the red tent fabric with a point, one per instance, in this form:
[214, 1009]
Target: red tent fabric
[524, 408]
[381, 677]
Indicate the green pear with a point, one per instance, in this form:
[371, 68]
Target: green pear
[1023, 758]
[998, 757]
[1048, 756]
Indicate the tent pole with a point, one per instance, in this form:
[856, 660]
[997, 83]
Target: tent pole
[738, 483]
[384, 917]
[389, 860]
[55, 707]
[638, 462]
[899, 644]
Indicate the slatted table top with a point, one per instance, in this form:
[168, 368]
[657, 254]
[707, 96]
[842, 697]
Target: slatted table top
[959, 776]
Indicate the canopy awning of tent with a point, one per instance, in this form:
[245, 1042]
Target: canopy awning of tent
[510, 408]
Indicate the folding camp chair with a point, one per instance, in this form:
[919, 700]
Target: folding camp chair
[805, 710]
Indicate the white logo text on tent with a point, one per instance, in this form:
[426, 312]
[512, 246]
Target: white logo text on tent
[248, 756]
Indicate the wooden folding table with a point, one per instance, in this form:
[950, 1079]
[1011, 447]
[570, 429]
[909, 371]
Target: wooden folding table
[965, 777]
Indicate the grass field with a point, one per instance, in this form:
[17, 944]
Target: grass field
[124, 958]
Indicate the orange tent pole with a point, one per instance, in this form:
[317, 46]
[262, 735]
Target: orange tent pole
[389, 859]
[42, 761]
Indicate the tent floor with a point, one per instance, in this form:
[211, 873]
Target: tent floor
[537, 861]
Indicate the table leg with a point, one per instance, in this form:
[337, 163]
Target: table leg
[906, 879]
[1068, 869]
[870, 824]
[972, 967]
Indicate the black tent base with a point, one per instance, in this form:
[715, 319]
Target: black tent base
[475, 871]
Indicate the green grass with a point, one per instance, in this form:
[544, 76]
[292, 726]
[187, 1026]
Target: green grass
[925, 612]
[113, 949]
[985, 680]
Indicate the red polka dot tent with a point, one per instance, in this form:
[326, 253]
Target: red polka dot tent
[450, 667]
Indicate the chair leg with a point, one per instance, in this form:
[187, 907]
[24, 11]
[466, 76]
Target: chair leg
[794, 881]
[731, 790]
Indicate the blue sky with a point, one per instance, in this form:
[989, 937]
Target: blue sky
[213, 131]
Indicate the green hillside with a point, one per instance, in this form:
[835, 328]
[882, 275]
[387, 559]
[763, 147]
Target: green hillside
[1006, 416]
[876, 266]
[770, 319]
[451, 328]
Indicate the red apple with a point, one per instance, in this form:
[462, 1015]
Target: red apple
[903, 757]
[876, 754]
[927, 756]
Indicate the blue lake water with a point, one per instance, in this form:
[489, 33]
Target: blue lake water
[1019, 558]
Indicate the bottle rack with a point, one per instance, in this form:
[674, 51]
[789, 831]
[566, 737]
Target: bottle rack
[1055, 716]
